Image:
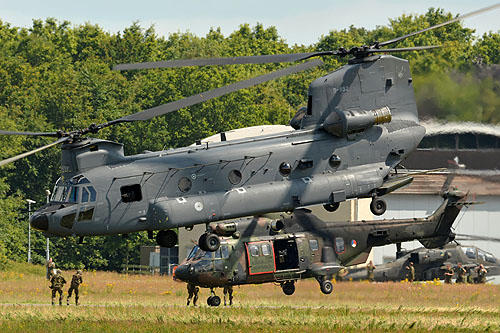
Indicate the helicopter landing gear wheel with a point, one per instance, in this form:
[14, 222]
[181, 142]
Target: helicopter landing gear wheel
[209, 242]
[378, 206]
[166, 238]
[331, 207]
[288, 287]
[326, 287]
[213, 301]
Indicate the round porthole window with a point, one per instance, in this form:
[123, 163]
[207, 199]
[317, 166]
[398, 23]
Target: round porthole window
[185, 184]
[235, 177]
[334, 161]
[285, 169]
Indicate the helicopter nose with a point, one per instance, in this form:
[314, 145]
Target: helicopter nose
[40, 222]
[185, 272]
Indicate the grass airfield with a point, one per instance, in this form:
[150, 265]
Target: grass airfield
[114, 302]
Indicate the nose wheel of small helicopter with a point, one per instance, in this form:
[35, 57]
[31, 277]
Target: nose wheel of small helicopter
[326, 287]
[378, 206]
[288, 287]
[209, 242]
[213, 300]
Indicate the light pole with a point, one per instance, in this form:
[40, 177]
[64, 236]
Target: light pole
[29, 228]
[47, 254]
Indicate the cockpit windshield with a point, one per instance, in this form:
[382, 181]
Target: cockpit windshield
[74, 190]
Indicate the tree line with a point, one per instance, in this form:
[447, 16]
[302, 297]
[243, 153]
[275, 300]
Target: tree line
[54, 75]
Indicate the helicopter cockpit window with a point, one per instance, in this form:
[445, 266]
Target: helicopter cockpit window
[254, 250]
[73, 196]
[266, 249]
[224, 251]
[131, 193]
[193, 252]
[485, 256]
[313, 244]
[85, 195]
[470, 252]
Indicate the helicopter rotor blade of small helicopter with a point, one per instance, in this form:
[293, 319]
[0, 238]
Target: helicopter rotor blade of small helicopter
[28, 153]
[459, 18]
[205, 96]
[464, 237]
[260, 59]
[50, 134]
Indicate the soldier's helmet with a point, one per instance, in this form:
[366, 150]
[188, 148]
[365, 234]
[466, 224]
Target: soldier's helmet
[58, 271]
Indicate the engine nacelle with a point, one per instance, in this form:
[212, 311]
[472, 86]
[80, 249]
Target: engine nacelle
[343, 123]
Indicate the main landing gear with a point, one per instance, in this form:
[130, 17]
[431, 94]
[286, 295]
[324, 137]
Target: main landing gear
[325, 285]
[209, 242]
[213, 300]
[288, 287]
[378, 206]
[331, 207]
[167, 238]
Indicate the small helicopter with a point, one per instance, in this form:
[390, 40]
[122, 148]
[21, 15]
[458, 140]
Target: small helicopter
[300, 245]
[360, 122]
[430, 264]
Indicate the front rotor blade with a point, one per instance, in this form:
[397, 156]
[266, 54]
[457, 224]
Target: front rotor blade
[52, 134]
[461, 17]
[261, 59]
[205, 96]
[23, 155]
[477, 238]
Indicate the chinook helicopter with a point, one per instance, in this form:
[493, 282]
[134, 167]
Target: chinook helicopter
[430, 264]
[300, 245]
[360, 122]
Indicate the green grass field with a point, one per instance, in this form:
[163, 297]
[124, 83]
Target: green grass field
[112, 302]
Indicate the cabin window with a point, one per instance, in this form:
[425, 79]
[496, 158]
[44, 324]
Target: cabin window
[235, 177]
[313, 244]
[86, 215]
[73, 196]
[339, 245]
[285, 169]
[334, 161]
[266, 249]
[185, 184]
[224, 251]
[131, 193]
[93, 193]
[254, 250]
[470, 252]
[85, 195]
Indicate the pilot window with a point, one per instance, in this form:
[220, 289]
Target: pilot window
[339, 245]
[266, 249]
[313, 244]
[470, 252]
[131, 193]
[73, 196]
[254, 250]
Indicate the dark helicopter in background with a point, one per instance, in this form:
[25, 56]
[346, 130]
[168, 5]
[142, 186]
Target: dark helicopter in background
[361, 121]
[300, 245]
[431, 264]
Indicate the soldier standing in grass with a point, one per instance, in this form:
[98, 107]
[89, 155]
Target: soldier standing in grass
[57, 282]
[481, 274]
[228, 290]
[192, 293]
[461, 273]
[448, 274]
[410, 275]
[51, 267]
[369, 271]
[76, 281]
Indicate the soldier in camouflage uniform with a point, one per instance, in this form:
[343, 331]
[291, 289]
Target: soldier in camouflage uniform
[51, 269]
[410, 275]
[369, 271]
[57, 283]
[461, 273]
[76, 281]
[228, 290]
[192, 293]
[448, 274]
[481, 274]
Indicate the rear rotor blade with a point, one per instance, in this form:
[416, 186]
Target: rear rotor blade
[15, 158]
[461, 17]
[405, 49]
[51, 134]
[260, 59]
[205, 96]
